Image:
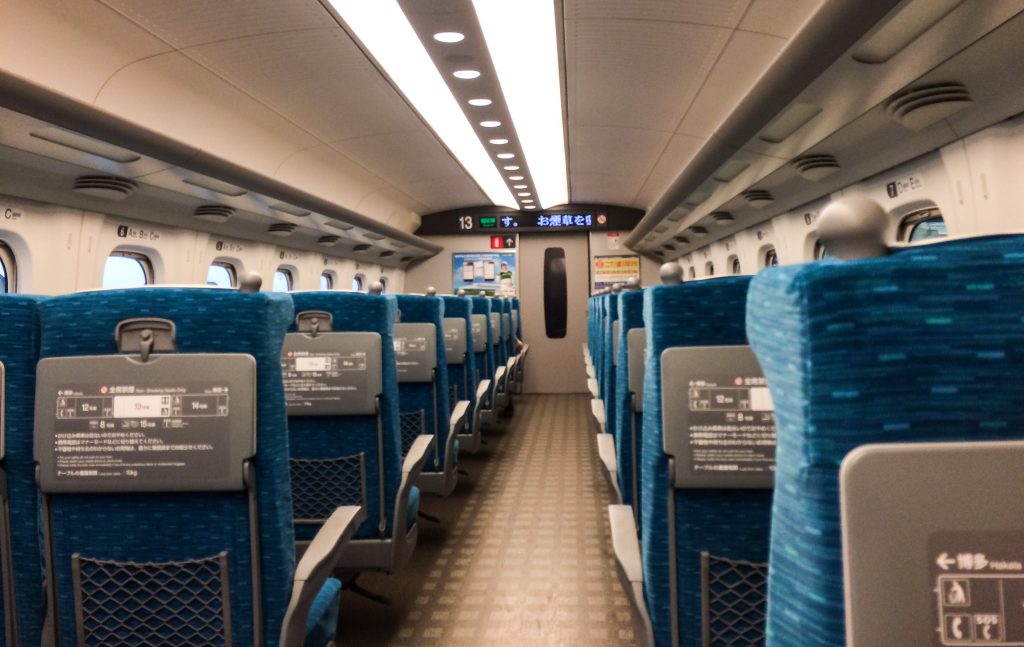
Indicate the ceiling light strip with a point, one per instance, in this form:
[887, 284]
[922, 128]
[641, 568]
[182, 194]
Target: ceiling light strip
[531, 83]
[385, 32]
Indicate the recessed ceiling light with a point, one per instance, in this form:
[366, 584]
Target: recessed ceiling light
[385, 32]
[527, 200]
[521, 186]
[480, 102]
[506, 156]
[523, 194]
[515, 177]
[498, 142]
[466, 74]
[529, 206]
[511, 167]
[531, 84]
[449, 37]
[490, 124]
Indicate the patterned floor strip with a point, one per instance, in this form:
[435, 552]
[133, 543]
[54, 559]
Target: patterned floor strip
[522, 555]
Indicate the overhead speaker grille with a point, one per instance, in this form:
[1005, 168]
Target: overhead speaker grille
[213, 212]
[816, 167]
[669, 247]
[699, 232]
[361, 247]
[282, 229]
[722, 218]
[328, 240]
[107, 187]
[386, 253]
[921, 106]
[406, 259]
[682, 240]
[758, 198]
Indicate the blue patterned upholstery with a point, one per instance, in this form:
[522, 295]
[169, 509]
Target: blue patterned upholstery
[631, 315]
[607, 368]
[517, 325]
[602, 314]
[19, 351]
[334, 436]
[509, 340]
[413, 511]
[726, 523]
[416, 396]
[924, 345]
[462, 307]
[485, 361]
[179, 526]
[322, 623]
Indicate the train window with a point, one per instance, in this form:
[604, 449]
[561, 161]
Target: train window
[735, 265]
[709, 269]
[771, 259]
[8, 270]
[922, 225]
[819, 250]
[283, 280]
[358, 283]
[222, 275]
[383, 284]
[693, 272]
[125, 269]
[327, 281]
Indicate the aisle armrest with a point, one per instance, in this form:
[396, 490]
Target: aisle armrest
[629, 563]
[315, 567]
[458, 420]
[592, 385]
[597, 409]
[606, 452]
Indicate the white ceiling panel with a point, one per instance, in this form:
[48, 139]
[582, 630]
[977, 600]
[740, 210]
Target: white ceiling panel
[778, 17]
[634, 148]
[680, 150]
[741, 64]
[723, 13]
[184, 23]
[601, 188]
[625, 72]
[401, 157]
[319, 79]
[444, 193]
[71, 47]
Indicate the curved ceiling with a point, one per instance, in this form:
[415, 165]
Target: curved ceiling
[279, 86]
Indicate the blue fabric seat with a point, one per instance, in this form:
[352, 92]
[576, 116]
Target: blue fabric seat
[486, 361]
[924, 345]
[727, 523]
[607, 368]
[421, 396]
[461, 378]
[625, 421]
[176, 526]
[19, 352]
[320, 437]
[413, 511]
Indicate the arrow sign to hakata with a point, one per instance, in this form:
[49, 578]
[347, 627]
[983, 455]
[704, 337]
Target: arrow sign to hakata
[945, 561]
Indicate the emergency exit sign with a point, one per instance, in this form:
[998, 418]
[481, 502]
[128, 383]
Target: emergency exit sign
[503, 242]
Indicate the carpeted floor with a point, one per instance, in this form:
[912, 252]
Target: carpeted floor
[522, 555]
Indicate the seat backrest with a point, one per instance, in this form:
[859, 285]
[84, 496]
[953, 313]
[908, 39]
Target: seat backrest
[485, 359]
[374, 435]
[926, 344]
[507, 328]
[461, 374]
[125, 532]
[607, 368]
[415, 394]
[730, 524]
[19, 546]
[627, 421]
[517, 318]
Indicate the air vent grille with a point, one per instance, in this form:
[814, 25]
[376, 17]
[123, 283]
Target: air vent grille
[699, 232]
[213, 212]
[406, 259]
[758, 197]
[682, 240]
[361, 247]
[669, 247]
[722, 218]
[921, 106]
[386, 253]
[816, 167]
[281, 229]
[328, 240]
[107, 187]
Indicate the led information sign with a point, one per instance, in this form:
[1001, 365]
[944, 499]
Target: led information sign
[576, 218]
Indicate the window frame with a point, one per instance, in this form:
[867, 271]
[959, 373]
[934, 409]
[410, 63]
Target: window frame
[914, 219]
[359, 283]
[735, 266]
[709, 269]
[819, 251]
[289, 279]
[693, 272]
[331, 278]
[144, 261]
[383, 284]
[229, 267]
[10, 264]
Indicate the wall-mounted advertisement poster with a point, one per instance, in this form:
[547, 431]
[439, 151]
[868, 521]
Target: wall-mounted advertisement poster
[485, 273]
[609, 270]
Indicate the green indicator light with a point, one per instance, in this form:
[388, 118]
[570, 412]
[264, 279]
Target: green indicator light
[488, 223]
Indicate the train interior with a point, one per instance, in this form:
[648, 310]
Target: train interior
[547, 322]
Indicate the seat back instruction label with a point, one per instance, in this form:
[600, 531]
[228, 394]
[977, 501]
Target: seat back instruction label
[331, 374]
[978, 588]
[718, 416]
[415, 351]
